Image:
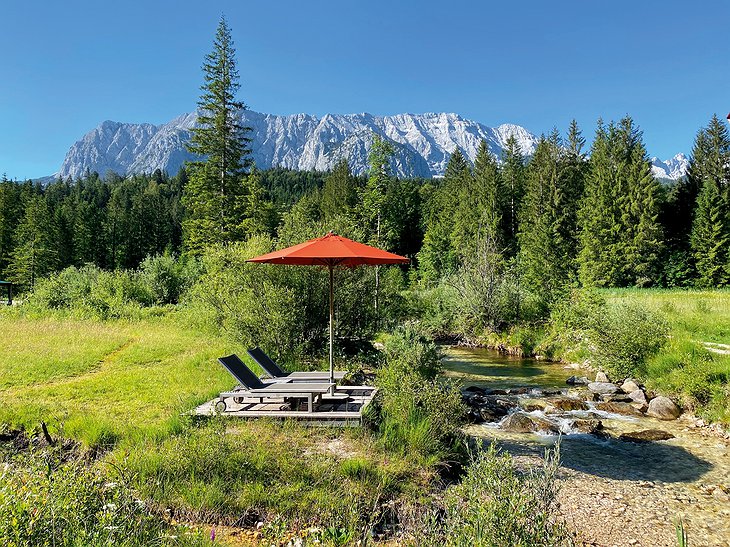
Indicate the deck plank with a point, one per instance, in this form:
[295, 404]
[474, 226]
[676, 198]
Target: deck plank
[328, 412]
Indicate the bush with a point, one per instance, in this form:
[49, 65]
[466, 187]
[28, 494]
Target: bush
[420, 413]
[167, 278]
[91, 292]
[284, 309]
[491, 294]
[570, 323]
[625, 336]
[497, 504]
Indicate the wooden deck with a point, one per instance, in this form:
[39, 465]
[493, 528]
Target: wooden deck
[345, 409]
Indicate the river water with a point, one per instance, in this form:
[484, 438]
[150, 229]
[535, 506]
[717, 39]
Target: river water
[614, 492]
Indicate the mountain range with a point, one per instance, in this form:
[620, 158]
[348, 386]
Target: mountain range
[422, 143]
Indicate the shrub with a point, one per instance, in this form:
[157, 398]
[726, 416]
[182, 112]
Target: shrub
[411, 350]
[420, 413]
[497, 504]
[570, 322]
[284, 309]
[166, 278]
[625, 336]
[91, 292]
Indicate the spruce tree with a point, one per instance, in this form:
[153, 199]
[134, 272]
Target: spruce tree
[513, 174]
[710, 237]
[35, 254]
[494, 203]
[214, 196]
[541, 257]
[621, 237]
[598, 216]
[438, 255]
[339, 193]
[641, 215]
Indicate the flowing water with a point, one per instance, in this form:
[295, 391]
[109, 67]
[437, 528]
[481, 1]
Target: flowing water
[615, 491]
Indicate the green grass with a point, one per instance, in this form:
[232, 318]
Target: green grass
[106, 381]
[121, 386]
[684, 368]
[699, 315]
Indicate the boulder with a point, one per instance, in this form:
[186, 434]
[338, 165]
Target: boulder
[520, 422]
[567, 403]
[490, 408]
[637, 396]
[616, 397]
[529, 405]
[618, 408]
[602, 388]
[663, 408]
[629, 386]
[647, 435]
[577, 381]
[601, 377]
[588, 426]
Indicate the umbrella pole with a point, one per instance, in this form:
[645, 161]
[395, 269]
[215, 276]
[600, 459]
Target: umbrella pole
[332, 316]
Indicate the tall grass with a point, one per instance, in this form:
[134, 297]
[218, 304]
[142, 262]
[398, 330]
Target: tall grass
[685, 368]
[52, 498]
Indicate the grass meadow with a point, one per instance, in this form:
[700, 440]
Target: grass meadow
[685, 367]
[121, 388]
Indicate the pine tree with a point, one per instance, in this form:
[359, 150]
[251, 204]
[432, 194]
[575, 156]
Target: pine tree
[438, 255]
[541, 258]
[339, 193]
[214, 196]
[513, 177]
[34, 255]
[710, 239]
[621, 237]
[641, 217]
[494, 205]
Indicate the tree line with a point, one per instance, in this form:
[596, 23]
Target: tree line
[594, 217]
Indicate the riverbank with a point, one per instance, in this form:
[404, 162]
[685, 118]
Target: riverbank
[691, 364]
[613, 491]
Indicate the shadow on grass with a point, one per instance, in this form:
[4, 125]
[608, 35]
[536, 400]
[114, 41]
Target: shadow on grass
[618, 460]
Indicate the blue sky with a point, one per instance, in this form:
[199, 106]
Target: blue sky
[67, 66]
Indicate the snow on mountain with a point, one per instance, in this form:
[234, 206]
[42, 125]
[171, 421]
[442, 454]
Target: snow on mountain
[673, 169]
[422, 142]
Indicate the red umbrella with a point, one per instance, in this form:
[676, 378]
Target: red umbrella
[330, 251]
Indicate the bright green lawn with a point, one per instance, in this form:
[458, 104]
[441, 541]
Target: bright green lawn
[700, 315]
[123, 385]
[105, 381]
[684, 367]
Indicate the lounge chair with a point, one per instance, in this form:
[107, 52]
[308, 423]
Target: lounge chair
[279, 374]
[252, 387]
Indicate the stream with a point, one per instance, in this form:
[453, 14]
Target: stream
[614, 492]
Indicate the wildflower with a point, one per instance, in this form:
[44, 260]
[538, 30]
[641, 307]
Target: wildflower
[212, 534]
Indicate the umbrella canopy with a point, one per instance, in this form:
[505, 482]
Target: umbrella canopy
[330, 251]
